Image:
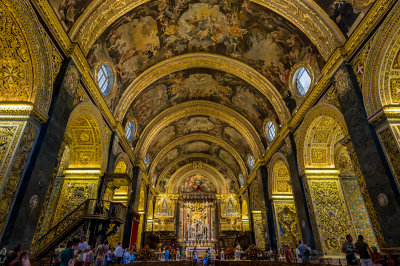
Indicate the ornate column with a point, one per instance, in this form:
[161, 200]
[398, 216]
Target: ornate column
[331, 220]
[268, 205]
[299, 194]
[130, 208]
[23, 217]
[379, 181]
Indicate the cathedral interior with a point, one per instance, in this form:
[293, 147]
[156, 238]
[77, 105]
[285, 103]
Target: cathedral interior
[208, 123]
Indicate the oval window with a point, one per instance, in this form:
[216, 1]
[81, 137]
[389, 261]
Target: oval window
[270, 130]
[130, 130]
[302, 80]
[105, 79]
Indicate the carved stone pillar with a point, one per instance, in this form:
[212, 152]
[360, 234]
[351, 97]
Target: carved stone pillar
[130, 208]
[268, 205]
[299, 195]
[389, 136]
[379, 181]
[25, 213]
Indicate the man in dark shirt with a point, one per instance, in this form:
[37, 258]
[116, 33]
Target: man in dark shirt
[364, 251]
[350, 251]
[67, 254]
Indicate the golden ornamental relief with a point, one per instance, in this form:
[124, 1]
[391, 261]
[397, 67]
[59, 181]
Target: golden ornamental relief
[395, 90]
[6, 137]
[288, 227]
[331, 214]
[16, 77]
[396, 63]
[281, 179]
[392, 150]
[16, 171]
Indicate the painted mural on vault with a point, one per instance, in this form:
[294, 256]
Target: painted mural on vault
[197, 183]
[199, 124]
[201, 84]
[68, 11]
[347, 14]
[230, 177]
[199, 146]
[239, 29]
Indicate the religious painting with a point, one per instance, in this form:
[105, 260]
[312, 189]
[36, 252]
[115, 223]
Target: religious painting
[198, 158]
[347, 14]
[201, 84]
[243, 30]
[68, 11]
[197, 183]
[199, 124]
[199, 147]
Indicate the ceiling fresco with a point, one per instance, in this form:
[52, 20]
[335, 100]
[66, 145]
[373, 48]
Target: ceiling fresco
[347, 14]
[201, 84]
[196, 183]
[198, 146]
[163, 181]
[68, 11]
[156, 31]
[199, 124]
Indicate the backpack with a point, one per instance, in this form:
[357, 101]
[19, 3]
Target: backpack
[307, 252]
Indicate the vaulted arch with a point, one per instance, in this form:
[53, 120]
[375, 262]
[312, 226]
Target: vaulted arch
[198, 108]
[202, 60]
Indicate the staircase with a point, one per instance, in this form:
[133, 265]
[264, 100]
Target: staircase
[91, 209]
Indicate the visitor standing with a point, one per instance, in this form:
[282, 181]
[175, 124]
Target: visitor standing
[100, 255]
[288, 254]
[194, 256]
[209, 257]
[67, 255]
[376, 256]
[166, 255]
[298, 256]
[305, 252]
[363, 251]
[25, 259]
[350, 250]
[83, 245]
[118, 253]
[14, 258]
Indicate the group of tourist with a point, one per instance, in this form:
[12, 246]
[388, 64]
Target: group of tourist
[16, 257]
[79, 253]
[368, 256]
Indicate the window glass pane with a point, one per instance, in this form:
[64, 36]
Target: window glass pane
[303, 80]
[104, 79]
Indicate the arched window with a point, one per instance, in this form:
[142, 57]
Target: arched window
[164, 208]
[251, 162]
[302, 80]
[130, 130]
[146, 160]
[241, 181]
[104, 79]
[231, 211]
[270, 130]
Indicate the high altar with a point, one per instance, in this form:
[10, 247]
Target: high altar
[198, 215]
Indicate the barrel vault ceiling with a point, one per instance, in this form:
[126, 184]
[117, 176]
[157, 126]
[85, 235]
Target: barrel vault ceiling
[200, 77]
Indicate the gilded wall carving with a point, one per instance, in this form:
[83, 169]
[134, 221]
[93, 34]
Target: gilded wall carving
[358, 211]
[73, 193]
[287, 225]
[17, 169]
[259, 230]
[281, 178]
[392, 151]
[330, 213]
[16, 74]
[9, 134]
